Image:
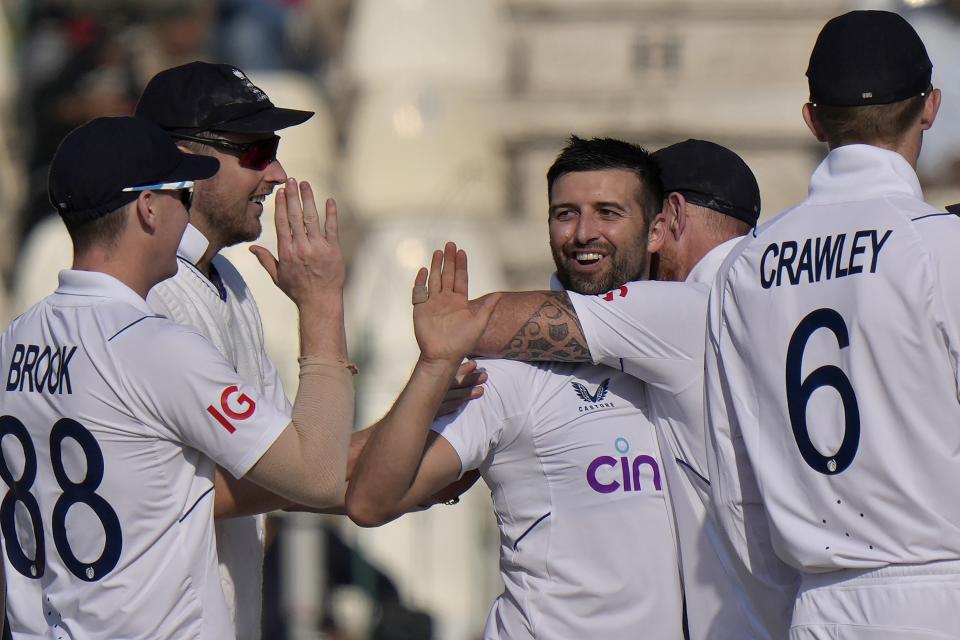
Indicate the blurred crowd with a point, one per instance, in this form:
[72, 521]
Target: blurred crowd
[71, 60]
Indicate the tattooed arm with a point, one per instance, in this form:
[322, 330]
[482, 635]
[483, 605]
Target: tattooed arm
[533, 325]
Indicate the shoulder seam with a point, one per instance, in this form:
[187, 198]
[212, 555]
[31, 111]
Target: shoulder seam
[932, 215]
[131, 324]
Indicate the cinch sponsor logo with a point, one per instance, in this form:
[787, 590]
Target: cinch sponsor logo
[603, 474]
[596, 398]
[608, 296]
[247, 405]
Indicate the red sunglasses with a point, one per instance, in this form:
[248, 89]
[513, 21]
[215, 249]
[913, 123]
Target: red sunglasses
[255, 155]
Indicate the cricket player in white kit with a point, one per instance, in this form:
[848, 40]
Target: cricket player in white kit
[833, 354]
[587, 547]
[113, 418]
[214, 109]
[653, 331]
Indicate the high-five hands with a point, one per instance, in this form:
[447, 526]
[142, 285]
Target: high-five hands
[310, 263]
[445, 325]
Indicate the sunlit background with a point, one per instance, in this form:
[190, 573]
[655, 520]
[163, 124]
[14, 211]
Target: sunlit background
[436, 120]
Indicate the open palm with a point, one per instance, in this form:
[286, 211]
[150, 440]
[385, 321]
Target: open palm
[446, 326]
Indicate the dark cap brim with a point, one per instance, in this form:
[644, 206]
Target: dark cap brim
[270, 119]
[193, 167]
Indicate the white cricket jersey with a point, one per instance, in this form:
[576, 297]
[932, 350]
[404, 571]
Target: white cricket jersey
[834, 338]
[654, 331]
[112, 421]
[225, 312]
[586, 546]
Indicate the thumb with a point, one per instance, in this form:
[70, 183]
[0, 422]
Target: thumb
[267, 261]
[487, 306]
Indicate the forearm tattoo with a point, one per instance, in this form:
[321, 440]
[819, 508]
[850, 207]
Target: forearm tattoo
[553, 333]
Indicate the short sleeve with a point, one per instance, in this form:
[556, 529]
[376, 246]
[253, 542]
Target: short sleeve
[941, 236]
[651, 330]
[272, 385]
[488, 423]
[183, 388]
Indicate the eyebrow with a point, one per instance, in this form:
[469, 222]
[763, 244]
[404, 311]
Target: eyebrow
[602, 204]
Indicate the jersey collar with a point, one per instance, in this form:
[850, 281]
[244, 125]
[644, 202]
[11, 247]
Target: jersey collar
[193, 244]
[99, 285]
[862, 172]
[706, 269]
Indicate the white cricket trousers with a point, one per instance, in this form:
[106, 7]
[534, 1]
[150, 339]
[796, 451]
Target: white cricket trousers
[898, 602]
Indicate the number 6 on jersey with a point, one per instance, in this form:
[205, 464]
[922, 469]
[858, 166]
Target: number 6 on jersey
[799, 392]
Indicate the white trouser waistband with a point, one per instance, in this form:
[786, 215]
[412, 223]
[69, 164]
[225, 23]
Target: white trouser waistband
[892, 571]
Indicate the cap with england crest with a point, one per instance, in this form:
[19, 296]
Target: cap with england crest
[200, 96]
[867, 57]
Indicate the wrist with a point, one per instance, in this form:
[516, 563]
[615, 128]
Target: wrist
[321, 303]
[439, 367]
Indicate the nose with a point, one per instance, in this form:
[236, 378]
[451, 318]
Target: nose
[587, 229]
[275, 173]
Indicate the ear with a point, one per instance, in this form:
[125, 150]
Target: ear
[657, 234]
[930, 109]
[810, 118]
[146, 212]
[677, 206]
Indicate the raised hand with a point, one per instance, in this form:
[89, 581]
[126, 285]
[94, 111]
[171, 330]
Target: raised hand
[310, 264]
[445, 325]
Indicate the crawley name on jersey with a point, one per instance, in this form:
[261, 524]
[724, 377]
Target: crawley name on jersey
[654, 331]
[834, 343]
[586, 547]
[112, 421]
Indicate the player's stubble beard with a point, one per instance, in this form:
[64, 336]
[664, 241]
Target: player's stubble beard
[228, 221]
[625, 265]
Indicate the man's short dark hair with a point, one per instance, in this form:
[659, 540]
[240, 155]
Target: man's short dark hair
[599, 154]
[872, 124]
[103, 230]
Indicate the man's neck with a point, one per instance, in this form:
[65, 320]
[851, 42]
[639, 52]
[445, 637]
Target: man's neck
[908, 147]
[206, 261]
[124, 271]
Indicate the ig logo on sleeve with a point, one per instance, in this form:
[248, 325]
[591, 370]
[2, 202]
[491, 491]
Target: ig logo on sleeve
[243, 402]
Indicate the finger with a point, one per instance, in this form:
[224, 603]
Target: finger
[487, 306]
[460, 276]
[466, 368]
[433, 282]
[294, 210]
[471, 380]
[281, 221]
[448, 274]
[451, 406]
[421, 278]
[332, 226]
[454, 395]
[311, 217]
[266, 260]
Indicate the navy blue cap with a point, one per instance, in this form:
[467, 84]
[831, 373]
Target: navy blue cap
[97, 160]
[867, 57]
[711, 176]
[201, 96]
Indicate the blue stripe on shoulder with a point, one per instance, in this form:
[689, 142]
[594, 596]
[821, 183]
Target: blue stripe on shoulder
[131, 324]
[934, 215]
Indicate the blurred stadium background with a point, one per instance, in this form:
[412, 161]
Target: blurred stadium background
[436, 120]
